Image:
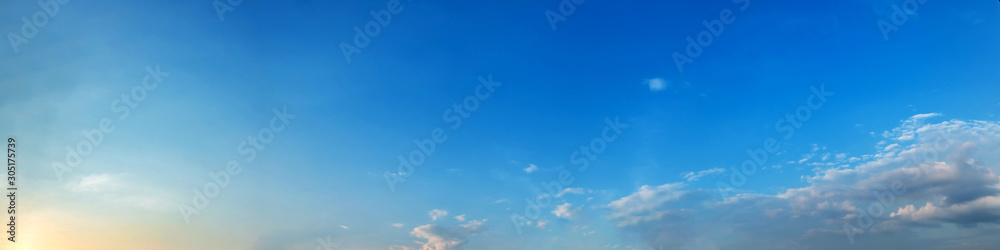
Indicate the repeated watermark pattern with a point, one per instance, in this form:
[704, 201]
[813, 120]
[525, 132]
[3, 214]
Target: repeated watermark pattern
[424, 147]
[94, 137]
[31, 25]
[899, 17]
[713, 29]
[248, 148]
[866, 218]
[363, 36]
[565, 9]
[788, 125]
[454, 115]
[581, 158]
[224, 6]
[326, 244]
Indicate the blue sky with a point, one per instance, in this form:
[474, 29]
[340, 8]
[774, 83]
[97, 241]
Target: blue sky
[322, 178]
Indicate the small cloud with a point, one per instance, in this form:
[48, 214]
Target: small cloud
[445, 238]
[531, 168]
[841, 156]
[564, 211]
[657, 84]
[437, 213]
[924, 116]
[542, 223]
[397, 225]
[93, 183]
[344, 227]
[694, 176]
[460, 218]
[807, 157]
[572, 191]
[500, 201]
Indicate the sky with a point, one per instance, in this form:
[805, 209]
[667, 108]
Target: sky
[573, 124]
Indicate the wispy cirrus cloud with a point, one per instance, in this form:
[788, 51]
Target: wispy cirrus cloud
[694, 176]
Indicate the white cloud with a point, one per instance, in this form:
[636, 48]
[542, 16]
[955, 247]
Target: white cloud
[806, 157]
[344, 227]
[657, 84]
[948, 171]
[94, 183]
[646, 199]
[565, 211]
[460, 218]
[542, 223]
[841, 156]
[907, 130]
[531, 168]
[572, 191]
[437, 213]
[694, 176]
[447, 238]
[966, 214]
[397, 225]
[924, 116]
[500, 201]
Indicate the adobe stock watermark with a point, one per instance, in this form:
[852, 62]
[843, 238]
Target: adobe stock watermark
[362, 38]
[94, 137]
[899, 17]
[248, 148]
[713, 29]
[581, 158]
[788, 125]
[565, 8]
[326, 244]
[223, 6]
[38, 20]
[866, 218]
[426, 147]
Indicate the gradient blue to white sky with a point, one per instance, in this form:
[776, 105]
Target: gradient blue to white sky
[929, 87]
